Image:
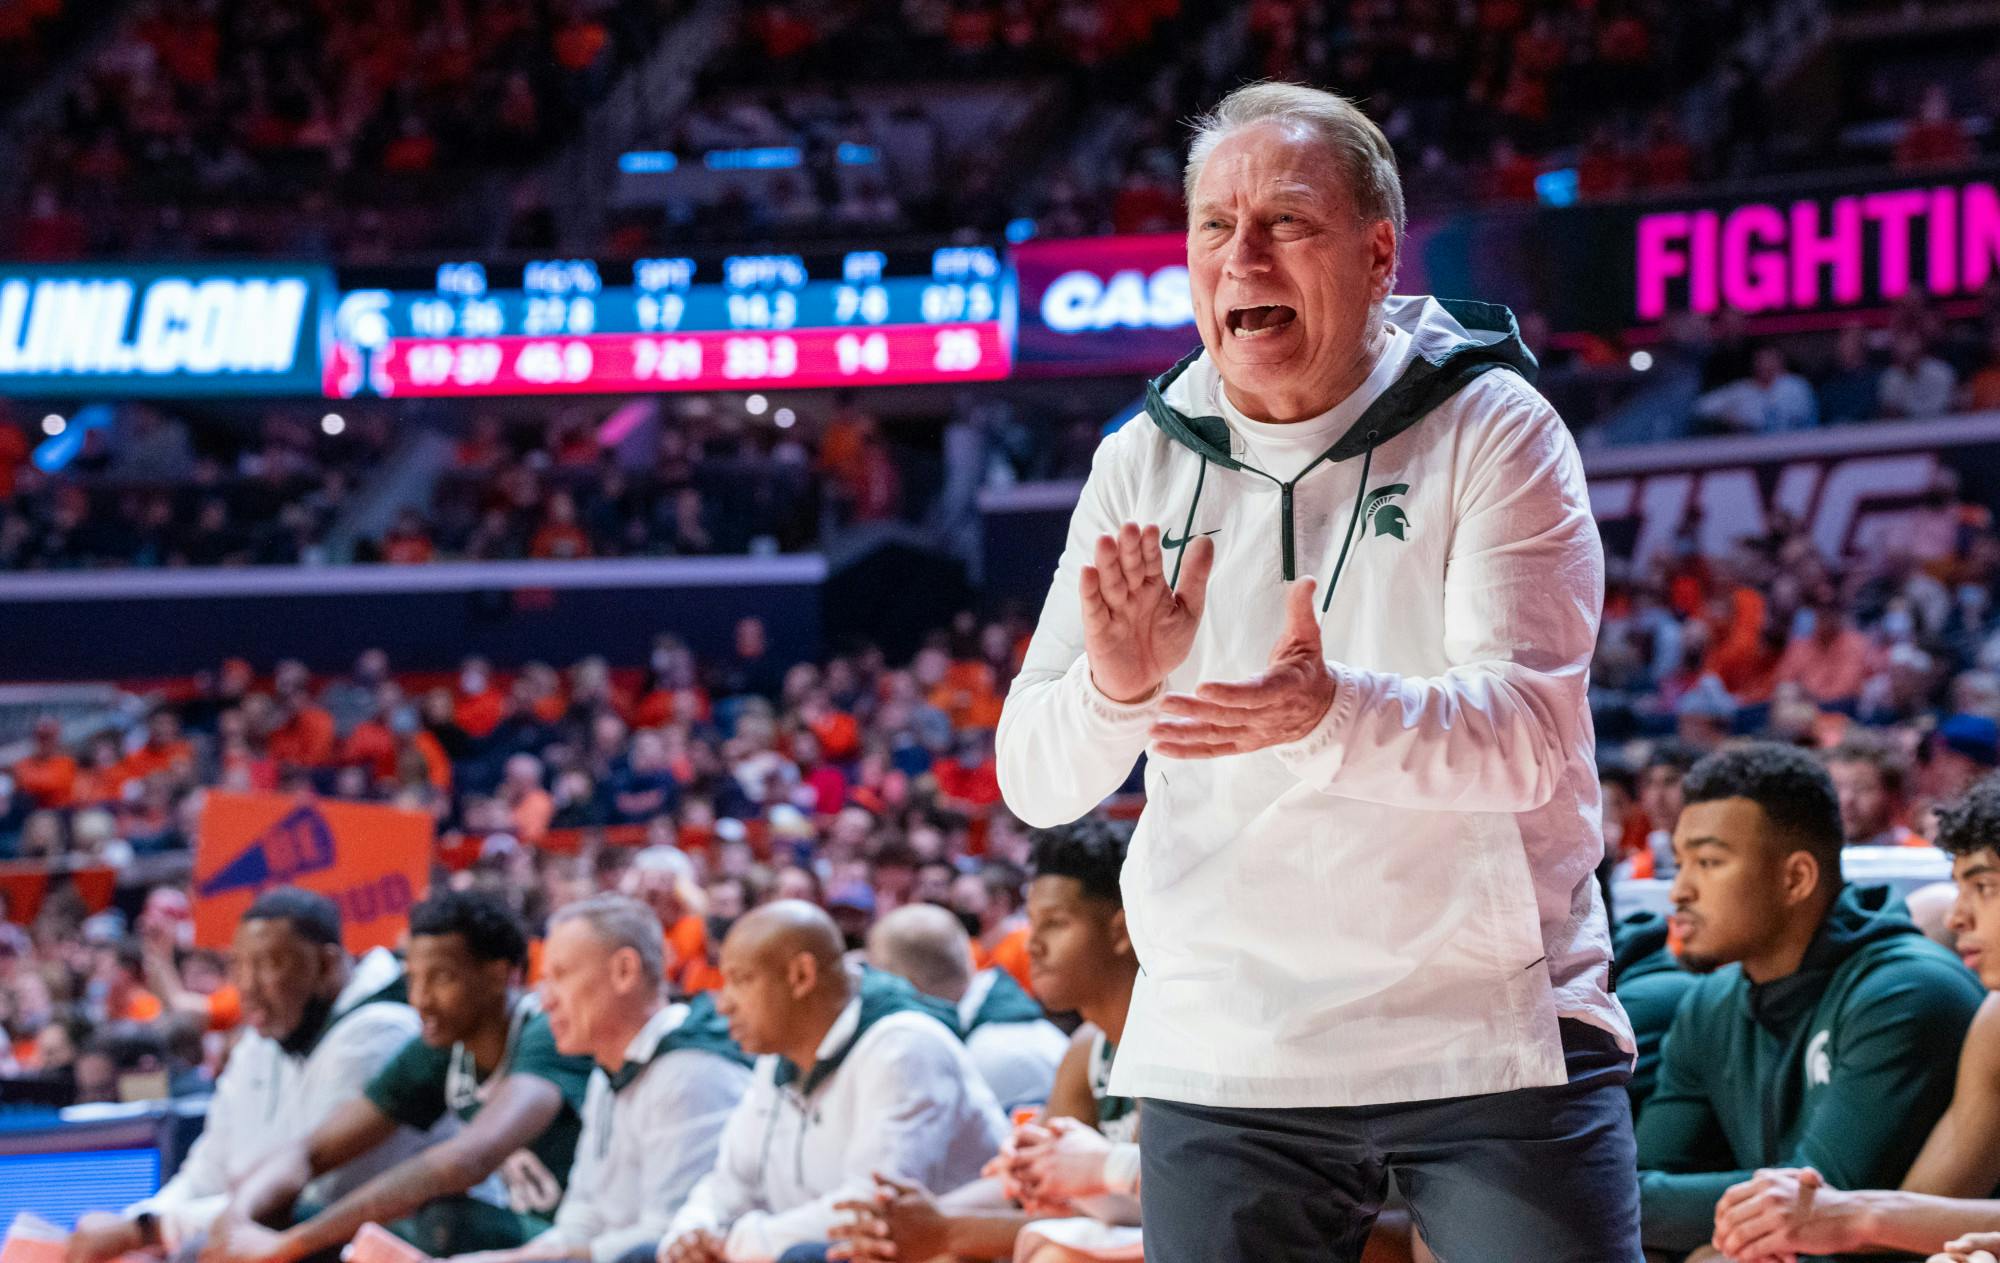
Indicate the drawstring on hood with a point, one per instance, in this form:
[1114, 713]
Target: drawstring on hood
[1353, 519]
[1451, 343]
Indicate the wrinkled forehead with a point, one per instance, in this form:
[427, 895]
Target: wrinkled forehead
[1271, 160]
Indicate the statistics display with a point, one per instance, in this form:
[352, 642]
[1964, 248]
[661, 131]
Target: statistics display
[740, 322]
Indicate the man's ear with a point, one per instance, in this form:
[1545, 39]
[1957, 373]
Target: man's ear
[1382, 245]
[1121, 938]
[331, 957]
[1800, 877]
[802, 975]
[625, 967]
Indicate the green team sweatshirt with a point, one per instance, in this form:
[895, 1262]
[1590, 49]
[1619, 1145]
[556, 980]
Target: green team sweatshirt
[1651, 984]
[1843, 1066]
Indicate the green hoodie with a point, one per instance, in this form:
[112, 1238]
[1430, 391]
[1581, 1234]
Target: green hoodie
[1844, 1066]
[1650, 983]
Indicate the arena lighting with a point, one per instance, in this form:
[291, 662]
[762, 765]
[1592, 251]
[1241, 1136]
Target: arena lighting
[53, 424]
[1641, 361]
[755, 405]
[647, 162]
[333, 423]
[785, 418]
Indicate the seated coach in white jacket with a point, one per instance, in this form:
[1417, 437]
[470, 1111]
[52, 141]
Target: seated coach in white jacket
[320, 1026]
[1342, 583]
[667, 1077]
[858, 1073]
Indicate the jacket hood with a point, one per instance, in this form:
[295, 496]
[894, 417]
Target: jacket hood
[702, 1029]
[1005, 1002]
[377, 977]
[1452, 341]
[882, 995]
[1861, 918]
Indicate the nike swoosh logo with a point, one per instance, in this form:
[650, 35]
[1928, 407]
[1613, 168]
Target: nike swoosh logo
[1169, 543]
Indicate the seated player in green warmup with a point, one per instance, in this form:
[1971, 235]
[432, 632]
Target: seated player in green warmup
[487, 1057]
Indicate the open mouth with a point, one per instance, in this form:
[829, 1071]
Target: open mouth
[1259, 322]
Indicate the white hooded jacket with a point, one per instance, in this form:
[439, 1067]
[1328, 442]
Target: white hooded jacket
[893, 1092]
[1398, 906]
[266, 1096]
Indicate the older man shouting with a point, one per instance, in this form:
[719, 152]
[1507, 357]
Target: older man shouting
[1343, 584]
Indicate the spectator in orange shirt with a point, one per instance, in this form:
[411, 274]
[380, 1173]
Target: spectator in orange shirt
[408, 543]
[102, 778]
[560, 536]
[1833, 660]
[165, 751]
[305, 735]
[991, 899]
[48, 775]
[371, 745]
[480, 705]
[120, 968]
[529, 806]
[662, 878]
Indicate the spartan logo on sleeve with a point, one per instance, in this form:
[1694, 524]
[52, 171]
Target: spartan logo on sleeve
[1383, 517]
[1819, 1061]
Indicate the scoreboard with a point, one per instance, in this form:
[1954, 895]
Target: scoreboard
[736, 322]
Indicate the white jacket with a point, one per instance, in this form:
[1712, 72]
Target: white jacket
[645, 1144]
[903, 1098]
[266, 1096]
[1398, 906]
[1016, 1049]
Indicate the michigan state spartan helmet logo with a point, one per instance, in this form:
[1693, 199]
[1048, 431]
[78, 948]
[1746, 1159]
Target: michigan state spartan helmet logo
[1384, 517]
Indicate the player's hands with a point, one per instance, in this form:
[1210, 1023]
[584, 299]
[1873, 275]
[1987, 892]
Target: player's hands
[1068, 1165]
[100, 1237]
[234, 1239]
[1979, 1247]
[698, 1246]
[1281, 705]
[1135, 627]
[902, 1221]
[1780, 1213]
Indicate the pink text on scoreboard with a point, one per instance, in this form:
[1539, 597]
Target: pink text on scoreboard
[1815, 253]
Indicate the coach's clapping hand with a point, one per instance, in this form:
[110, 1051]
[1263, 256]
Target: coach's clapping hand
[699, 1246]
[1135, 627]
[1281, 705]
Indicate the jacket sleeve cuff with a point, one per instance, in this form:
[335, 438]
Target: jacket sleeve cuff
[1317, 756]
[1120, 716]
[1121, 1169]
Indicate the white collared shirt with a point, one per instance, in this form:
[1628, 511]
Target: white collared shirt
[642, 1149]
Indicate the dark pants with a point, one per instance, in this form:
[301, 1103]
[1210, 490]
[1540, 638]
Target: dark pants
[1542, 1174]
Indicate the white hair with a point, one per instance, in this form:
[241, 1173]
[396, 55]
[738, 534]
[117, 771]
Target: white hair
[1358, 146]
